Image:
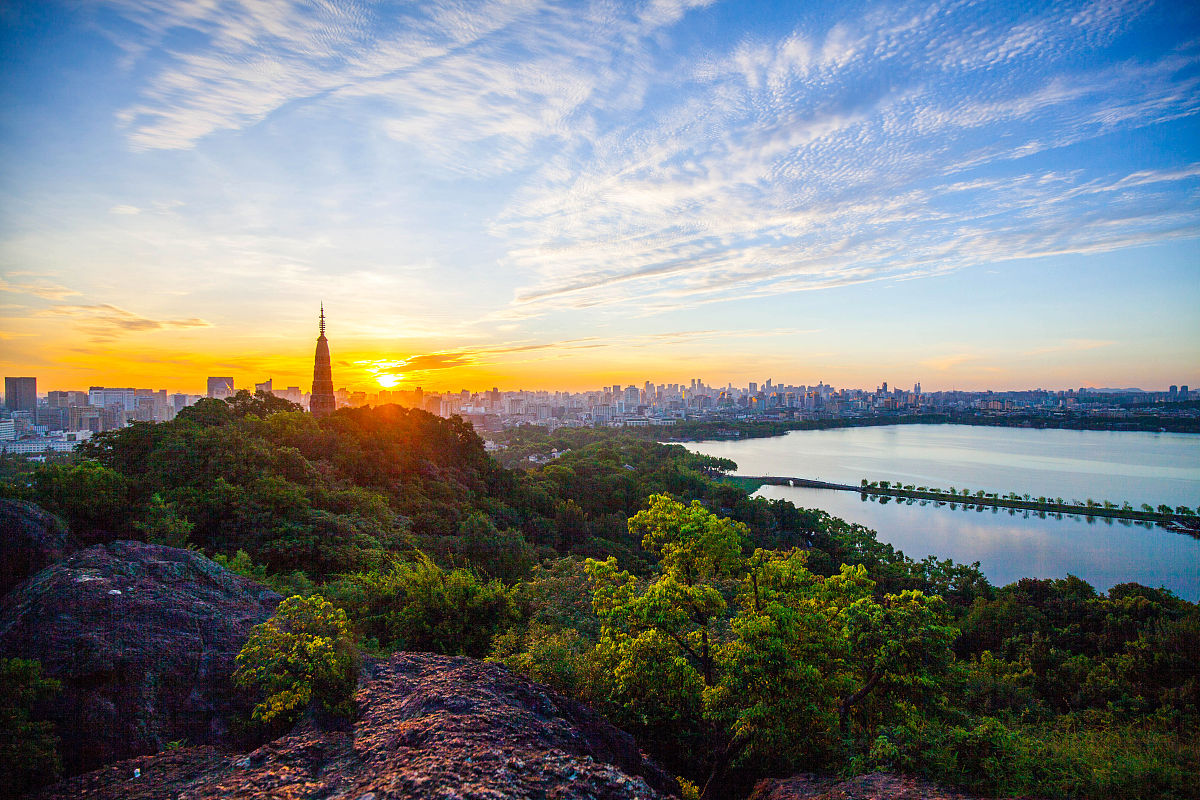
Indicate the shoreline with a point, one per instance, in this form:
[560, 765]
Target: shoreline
[723, 431]
[1175, 522]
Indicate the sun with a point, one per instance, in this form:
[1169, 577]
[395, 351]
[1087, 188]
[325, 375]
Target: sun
[387, 381]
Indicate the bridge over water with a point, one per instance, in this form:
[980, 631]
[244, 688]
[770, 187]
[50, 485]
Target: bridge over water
[1178, 522]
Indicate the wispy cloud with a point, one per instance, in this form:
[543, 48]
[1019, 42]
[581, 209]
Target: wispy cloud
[949, 362]
[426, 363]
[611, 160]
[105, 322]
[511, 73]
[827, 159]
[43, 289]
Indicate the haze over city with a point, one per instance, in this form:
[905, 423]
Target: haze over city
[571, 195]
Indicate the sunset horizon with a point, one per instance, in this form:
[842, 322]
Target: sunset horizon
[478, 369]
[549, 196]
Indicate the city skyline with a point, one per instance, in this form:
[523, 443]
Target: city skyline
[288, 387]
[31, 426]
[566, 196]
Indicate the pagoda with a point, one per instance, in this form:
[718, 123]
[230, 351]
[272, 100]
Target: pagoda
[322, 402]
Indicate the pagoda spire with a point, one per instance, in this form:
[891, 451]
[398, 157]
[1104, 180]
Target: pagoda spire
[322, 402]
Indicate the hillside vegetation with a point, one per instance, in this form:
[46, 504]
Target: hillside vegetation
[735, 637]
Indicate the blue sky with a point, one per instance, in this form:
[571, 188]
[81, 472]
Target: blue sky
[567, 194]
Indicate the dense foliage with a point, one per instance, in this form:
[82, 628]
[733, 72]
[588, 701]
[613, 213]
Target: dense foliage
[420, 606]
[303, 658]
[28, 745]
[734, 636]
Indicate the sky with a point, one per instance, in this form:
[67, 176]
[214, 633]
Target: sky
[565, 195]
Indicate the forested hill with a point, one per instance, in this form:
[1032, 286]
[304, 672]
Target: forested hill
[735, 637]
[338, 494]
[334, 495]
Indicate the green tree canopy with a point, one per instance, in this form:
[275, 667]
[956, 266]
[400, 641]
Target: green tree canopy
[302, 658]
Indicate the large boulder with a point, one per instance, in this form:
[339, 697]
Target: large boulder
[30, 539]
[143, 638]
[430, 726]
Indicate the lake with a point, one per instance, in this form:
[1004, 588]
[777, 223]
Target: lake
[1118, 466]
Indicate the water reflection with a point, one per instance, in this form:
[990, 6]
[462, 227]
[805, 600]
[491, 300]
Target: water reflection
[1020, 543]
[1022, 513]
[1118, 466]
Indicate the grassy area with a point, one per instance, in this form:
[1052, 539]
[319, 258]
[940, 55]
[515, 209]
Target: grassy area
[1116, 762]
[748, 485]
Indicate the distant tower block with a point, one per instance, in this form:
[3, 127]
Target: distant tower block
[322, 401]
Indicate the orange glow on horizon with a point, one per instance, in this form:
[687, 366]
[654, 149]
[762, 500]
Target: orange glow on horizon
[182, 361]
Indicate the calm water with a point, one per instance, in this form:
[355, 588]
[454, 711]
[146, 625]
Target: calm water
[1117, 466]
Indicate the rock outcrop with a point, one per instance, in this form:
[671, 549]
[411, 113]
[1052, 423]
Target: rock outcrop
[30, 539]
[430, 726]
[143, 639]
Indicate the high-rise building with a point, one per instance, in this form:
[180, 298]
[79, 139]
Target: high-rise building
[104, 396]
[20, 394]
[66, 399]
[264, 387]
[322, 401]
[220, 388]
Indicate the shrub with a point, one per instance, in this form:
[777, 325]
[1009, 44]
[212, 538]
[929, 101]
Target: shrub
[93, 498]
[301, 659]
[420, 606]
[241, 564]
[28, 746]
[161, 523]
[557, 658]
[990, 757]
[500, 554]
[1112, 762]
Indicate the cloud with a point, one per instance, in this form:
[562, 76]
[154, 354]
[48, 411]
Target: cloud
[949, 362]
[506, 72]
[449, 359]
[637, 171]
[434, 361]
[46, 291]
[776, 172]
[125, 211]
[510, 351]
[104, 322]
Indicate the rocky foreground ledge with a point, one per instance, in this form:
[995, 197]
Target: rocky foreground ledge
[429, 727]
[450, 728]
[143, 639]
